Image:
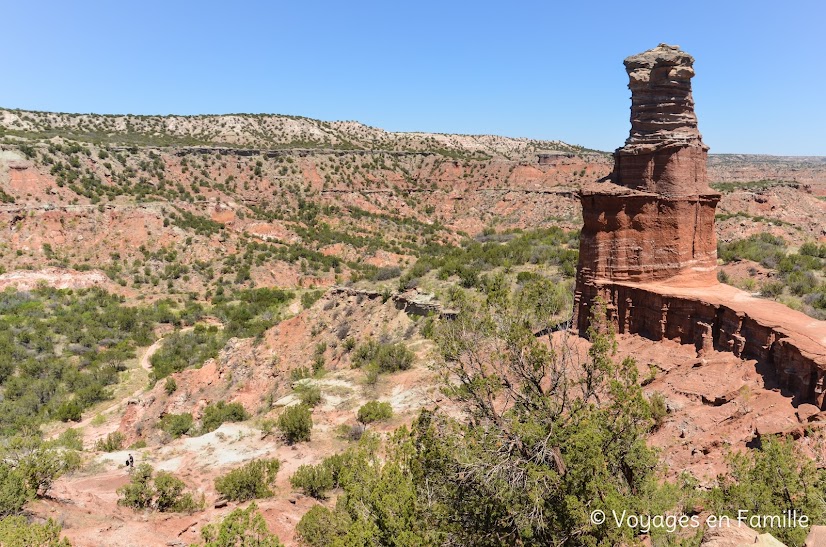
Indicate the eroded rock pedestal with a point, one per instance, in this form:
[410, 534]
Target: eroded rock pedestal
[648, 246]
[654, 220]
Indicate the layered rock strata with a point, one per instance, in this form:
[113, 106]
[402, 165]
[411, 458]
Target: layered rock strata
[664, 152]
[654, 219]
[648, 247]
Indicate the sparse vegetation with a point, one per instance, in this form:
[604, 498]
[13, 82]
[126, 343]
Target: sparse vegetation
[218, 413]
[798, 273]
[242, 527]
[296, 423]
[177, 424]
[317, 480]
[384, 357]
[308, 394]
[374, 411]
[111, 443]
[183, 350]
[159, 491]
[252, 480]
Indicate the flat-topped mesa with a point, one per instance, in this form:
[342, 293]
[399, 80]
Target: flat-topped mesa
[664, 152]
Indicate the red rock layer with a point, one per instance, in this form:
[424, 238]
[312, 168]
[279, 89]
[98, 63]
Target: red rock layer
[655, 219]
[636, 236]
[664, 152]
[648, 247]
[790, 344]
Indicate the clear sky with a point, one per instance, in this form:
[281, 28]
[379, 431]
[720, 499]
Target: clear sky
[540, 69]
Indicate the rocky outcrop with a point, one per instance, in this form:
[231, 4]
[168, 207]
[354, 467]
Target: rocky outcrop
[654, 219]
[648, 247]
[629, 235]
[59, 278]
[791, 345]
[664, 152]
[411, 302]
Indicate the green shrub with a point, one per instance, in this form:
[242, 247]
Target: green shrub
[387, 272]
[170, 495]
[241, 528]
[176, 424]
[772, 289]
[386, 357]
[170, 386]
[659, 410]
[374, 411]
[317, 480]
[318, 364]
[166, 493]
[69, 411]
[320, 527]
[314, 480]
[310, 297]
[770, 481]
[14, 492]
[17, 531]
[61, 349]
[112, 443]
[300, 373]
[296, 423]
[71, 439]
[39, 463]
[220, 412]
[183, 350]
[250, 481]
[139, 492]
[764, 248]
[308, 394]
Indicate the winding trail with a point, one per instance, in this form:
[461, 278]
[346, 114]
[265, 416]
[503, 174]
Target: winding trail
[144, 363]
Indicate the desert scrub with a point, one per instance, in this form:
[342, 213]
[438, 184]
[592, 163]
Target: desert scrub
[317, 480]
[385, 357]
[310, 297]
[250, 481]
[245, 527]
[296, 423]
[162, 492]
[308, 394]
[112, 443]
[183, 350]
[18, 531]
[60, 350]
[176, 424]
[170, 386]
[374, 411]
[220, 412]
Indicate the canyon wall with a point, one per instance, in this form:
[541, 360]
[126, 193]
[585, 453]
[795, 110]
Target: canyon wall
[788, 344]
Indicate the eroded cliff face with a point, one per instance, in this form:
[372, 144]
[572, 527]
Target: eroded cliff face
[654, 220]
[664, 152]
[648, 247]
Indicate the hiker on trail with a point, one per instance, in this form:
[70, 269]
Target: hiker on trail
[130, 461]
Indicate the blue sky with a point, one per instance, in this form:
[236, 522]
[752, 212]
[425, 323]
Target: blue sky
[547, 69]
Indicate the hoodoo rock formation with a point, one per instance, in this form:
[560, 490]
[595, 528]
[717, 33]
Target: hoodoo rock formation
[655, 219]
[648, 246]
[664, 153]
